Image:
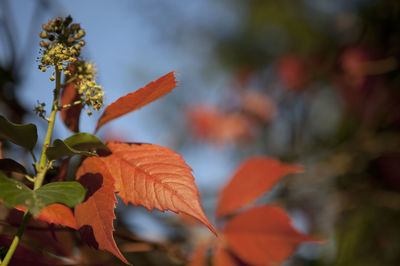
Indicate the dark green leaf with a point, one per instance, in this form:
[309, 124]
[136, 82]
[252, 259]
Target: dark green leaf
[23, 135]
[80, 143]
[85, 142]
[14, 193]
[9, 165]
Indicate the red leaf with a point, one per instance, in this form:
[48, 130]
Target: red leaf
[253, 178]
[95, 216]
[70, 116]
[154, 177]
[222, 257]
[135, 100]
[56, 214]
[263, 236]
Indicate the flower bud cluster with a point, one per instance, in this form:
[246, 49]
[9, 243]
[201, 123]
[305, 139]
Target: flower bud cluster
[91, 93]
[61, 44]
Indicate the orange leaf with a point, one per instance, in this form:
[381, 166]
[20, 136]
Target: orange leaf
[95, 216]
[70, 116]
[198, 257]
[263, 236]
[57, 214]
[135, 100]
[154, 177]
[222, 257]
[253, 178]
[211, 124]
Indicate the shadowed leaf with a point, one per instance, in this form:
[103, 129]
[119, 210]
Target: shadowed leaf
[9, 165]
[70, 116]
[78, 144]
[23, 135]
[14, 193]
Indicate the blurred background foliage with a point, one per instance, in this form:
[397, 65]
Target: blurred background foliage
[314, 82]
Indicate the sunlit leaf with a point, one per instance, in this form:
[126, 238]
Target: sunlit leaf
[252, 179]
[135, 100]
[23, 135]
[95, 216]
[154, 177]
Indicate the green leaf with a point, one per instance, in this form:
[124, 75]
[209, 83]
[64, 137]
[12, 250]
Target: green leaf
[15, 193]
[23, 135]
[9, 165]
[80, 143]
[85, 142]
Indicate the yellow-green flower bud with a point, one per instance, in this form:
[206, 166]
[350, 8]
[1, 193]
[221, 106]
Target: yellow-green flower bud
[43, 34]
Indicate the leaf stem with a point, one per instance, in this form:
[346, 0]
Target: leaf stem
[33, 157]
[41, 171]
[16, 240]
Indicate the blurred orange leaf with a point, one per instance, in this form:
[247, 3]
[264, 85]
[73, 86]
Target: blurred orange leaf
[263, 236]
[222, 257]
[199, 257]
[253, 178]
[211, 124]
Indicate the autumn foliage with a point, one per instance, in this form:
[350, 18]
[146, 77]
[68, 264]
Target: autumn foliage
[148, 175]
[252, 235]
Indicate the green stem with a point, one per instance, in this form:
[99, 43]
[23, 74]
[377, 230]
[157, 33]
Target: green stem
[43, 167]
[43, 162]
[16, 240]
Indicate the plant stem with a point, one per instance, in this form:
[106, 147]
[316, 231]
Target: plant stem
[43, 167]
[16, 240]
[43, 162]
